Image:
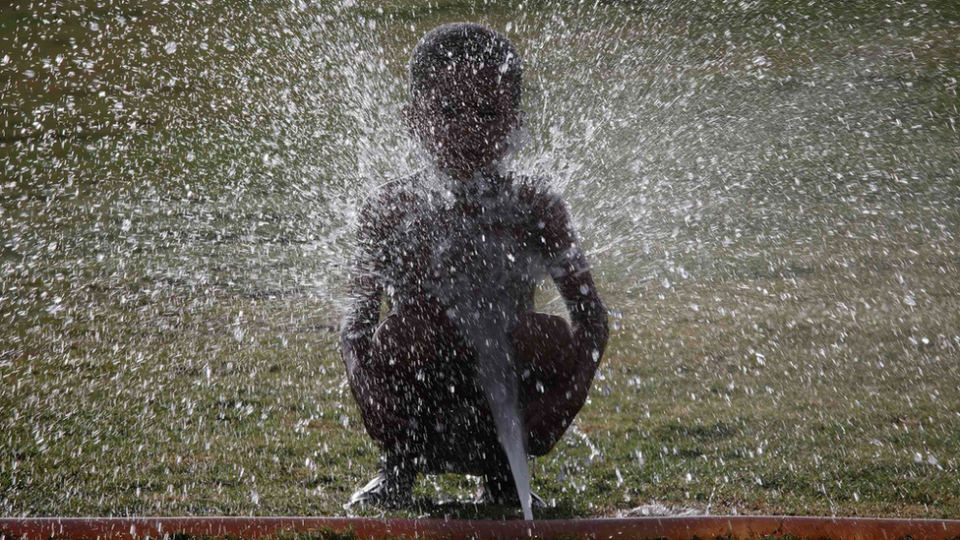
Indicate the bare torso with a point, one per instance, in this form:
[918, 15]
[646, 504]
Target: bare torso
[462, 248]
[459, 265]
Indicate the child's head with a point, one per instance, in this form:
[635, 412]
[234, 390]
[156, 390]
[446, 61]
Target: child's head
[465, 85]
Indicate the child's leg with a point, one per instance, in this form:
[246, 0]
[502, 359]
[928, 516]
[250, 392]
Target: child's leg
[417, 358]
[547, 362]
[412, 366]
[419, 400]
[388, 393]
[403, 346]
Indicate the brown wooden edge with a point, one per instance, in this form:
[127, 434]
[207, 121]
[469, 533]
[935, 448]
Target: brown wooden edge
[669, 528]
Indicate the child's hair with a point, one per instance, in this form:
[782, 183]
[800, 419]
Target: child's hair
[464, 42]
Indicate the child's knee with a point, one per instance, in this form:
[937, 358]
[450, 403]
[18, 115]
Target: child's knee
[544, 346]
[404, 338]
[543, 330]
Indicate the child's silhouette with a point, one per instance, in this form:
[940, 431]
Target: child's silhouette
[459, 250]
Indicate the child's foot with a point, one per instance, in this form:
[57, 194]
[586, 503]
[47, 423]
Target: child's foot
[392, 488]
[381, 493]
[501, 490]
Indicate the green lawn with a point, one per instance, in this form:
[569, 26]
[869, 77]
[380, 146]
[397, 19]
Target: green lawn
[779, 392]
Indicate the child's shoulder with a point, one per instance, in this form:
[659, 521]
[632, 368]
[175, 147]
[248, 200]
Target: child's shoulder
[390, 197]
[537, 192]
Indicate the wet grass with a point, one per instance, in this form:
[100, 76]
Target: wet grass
[771, 396]
[793, 350]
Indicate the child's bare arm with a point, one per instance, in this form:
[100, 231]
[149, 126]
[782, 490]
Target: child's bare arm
[570, 271]
[363, 313]
[588, 315]
[360, 323]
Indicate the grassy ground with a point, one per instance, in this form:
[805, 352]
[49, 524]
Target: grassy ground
[786, 342]
[772, 395]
